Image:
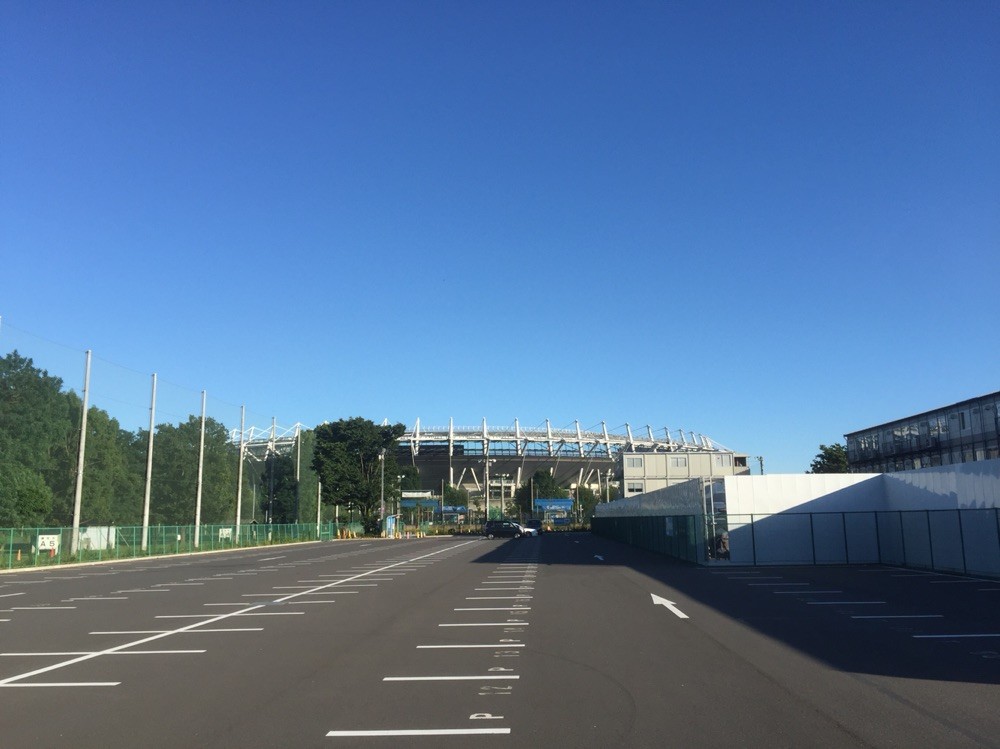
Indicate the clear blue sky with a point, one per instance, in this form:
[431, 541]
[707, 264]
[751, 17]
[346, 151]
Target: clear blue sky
[768, 222]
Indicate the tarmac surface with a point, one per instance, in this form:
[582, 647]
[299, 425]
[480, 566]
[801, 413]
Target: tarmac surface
[567, 640]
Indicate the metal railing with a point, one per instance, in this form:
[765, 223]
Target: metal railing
[965, 541]
[50, 546]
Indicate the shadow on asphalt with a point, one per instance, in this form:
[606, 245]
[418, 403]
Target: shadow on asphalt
[882, 645]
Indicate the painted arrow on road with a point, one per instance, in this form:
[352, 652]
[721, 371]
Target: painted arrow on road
[670, 605]
[598, 556]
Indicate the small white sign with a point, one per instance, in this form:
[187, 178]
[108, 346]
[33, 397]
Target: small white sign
[47, 543]
[225, 534]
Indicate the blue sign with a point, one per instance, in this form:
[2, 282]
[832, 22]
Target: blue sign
[548, 505]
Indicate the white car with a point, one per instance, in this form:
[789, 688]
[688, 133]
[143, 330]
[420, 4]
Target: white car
[526, 531]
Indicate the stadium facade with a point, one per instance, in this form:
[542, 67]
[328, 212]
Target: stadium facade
[504, 457]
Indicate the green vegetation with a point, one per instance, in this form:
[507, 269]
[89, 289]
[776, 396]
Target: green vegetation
[830, 459]
[39, 444]
[356, 462]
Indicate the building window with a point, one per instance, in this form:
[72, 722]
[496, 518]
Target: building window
[723, 461]
[633, 487]
[633, 462]
[678, 462]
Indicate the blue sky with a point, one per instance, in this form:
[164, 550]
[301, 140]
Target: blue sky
[771, 223]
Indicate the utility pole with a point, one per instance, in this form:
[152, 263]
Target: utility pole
[760, 459]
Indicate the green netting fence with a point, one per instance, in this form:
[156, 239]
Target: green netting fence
[50, 546]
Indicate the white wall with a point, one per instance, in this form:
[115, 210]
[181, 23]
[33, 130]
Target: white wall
[807, 492]
[964, 486]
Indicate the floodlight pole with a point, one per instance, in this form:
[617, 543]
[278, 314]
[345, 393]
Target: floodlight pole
[74, 543]
[381, 460]
[149, 469]
[239, 471]
[201, 474]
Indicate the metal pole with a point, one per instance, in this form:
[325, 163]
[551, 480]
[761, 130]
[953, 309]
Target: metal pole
[319, 505]
[298, 470]
[149, 468]
[239, 471]
[381, 461]
[201, 473]
[271, 452]
[78, 496]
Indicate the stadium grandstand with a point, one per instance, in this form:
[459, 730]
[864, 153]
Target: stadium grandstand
[506, 456]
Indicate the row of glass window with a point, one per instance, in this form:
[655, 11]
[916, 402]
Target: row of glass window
[980, 419]
[969, 453]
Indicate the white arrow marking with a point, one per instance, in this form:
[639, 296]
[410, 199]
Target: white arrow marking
[598, 556]
[670, 605]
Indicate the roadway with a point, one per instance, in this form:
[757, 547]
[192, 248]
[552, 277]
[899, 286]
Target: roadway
[567, 640]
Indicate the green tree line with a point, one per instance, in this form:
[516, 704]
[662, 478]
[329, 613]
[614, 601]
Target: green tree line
[39, 446]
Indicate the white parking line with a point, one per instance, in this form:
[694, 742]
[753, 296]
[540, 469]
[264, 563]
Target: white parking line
[766, 585]
[939, 637]
[486, 624]
[843, 603]
[523, 587]
[174, 632]
[900, 616]
[62, 684]
[485, 608]
[195, 628]
[422, 732]
[497, 646]
[92, 652]
[40, 608]
[450, 678]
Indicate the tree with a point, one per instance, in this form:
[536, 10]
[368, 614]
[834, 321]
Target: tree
[541, 485]
[278, 500]
[25, 499]
[33, 413]
[347, 460]
[587, 499]
[456, 496]
[830, 459]
[175, 473]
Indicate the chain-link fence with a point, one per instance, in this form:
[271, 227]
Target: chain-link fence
[85, 442]
[46, 546]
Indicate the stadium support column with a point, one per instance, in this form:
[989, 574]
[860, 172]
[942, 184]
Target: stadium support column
[451, 451]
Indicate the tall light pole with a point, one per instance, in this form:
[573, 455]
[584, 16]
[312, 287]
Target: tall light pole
[488, 461]
[381, 506]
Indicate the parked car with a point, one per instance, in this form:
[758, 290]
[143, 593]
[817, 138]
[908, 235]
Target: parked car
[502, 529]
[533, 527]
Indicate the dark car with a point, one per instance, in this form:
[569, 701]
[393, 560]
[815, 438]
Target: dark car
[502, 529]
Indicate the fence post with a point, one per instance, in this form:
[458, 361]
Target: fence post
[902, 535]
[961, 540]
[812, 536]
[930, 538]
[753, 541]
[843, 524]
